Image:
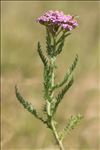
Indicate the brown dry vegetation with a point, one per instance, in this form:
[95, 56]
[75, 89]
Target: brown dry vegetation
[21, 65]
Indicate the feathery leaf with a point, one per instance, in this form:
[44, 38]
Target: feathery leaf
[60, 43]
[72, 123]
[44, 60]
[73, 64]
[61, 94]
[62, 36]
[47, 81]
[27, 105]
[49, 46]
[67, 75]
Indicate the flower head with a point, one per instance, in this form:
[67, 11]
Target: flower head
[55, 19]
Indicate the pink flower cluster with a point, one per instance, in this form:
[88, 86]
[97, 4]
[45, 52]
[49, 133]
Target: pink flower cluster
[58, 19]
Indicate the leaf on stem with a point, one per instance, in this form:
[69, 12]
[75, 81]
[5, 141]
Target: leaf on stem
[60, 43]
[47, 81]
[67, 75]
[49, 46]
[43, 58]
[73, 64]
[62, 36]
[28, 106]
[61, 94]
[72, 123]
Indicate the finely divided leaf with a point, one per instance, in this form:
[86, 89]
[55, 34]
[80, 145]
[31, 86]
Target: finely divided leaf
[72, 123]
[43, 58]
[73, 66]
[62, 37]
[49, 46]
[47, 82]
[62, 93]
[67, 75]
[27, 105]
[60, 43]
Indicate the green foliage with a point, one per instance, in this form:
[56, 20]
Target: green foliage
[73, 65]
[28, 106]
[44, 60]
[49, 46]
[50, 43]
[67, 75]
[54, 45]
[60, 43]
[47, 82]
[64, 90]
[61, 95]
[63, 36]
[71, 124]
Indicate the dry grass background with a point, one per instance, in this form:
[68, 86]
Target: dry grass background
[21, 65]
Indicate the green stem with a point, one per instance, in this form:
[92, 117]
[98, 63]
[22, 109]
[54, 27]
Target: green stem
[56, 136]
[55, 133]
[52, 62]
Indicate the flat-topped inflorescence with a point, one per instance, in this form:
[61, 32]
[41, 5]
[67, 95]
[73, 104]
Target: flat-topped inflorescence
[57, 19]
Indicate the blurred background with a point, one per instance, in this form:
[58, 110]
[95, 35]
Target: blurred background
[21, 65]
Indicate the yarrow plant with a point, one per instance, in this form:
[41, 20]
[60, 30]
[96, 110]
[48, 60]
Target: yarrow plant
[58, 27]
